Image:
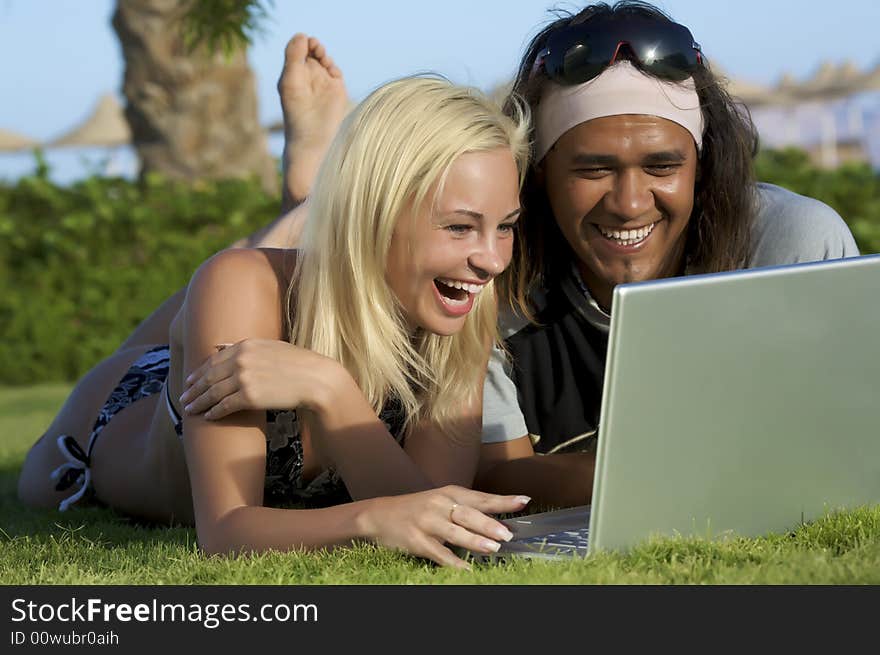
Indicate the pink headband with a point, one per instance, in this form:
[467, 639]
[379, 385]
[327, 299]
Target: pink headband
[620, 89]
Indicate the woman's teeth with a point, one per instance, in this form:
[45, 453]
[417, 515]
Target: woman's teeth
[627, 237]
[464, 286]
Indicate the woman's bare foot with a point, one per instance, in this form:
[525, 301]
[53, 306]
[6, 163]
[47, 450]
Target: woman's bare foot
[314, 102]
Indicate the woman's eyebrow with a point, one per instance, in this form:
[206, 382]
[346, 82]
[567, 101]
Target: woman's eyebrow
[478, 216]
[467, 212]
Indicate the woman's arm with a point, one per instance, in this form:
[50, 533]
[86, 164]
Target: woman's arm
[335, 418]
[445, 459]
[457, 460]
[448, 459]
[264, 374]
[231, 296]
[234, 296]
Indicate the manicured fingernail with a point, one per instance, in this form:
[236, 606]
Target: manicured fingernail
[187, 409]
[488, 544]
[504, 534]
[523, 500]
[189, 379]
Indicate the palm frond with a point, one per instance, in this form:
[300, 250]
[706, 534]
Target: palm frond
[225, 26]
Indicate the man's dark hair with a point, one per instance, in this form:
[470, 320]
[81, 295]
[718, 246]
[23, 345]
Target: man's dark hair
[724, 196]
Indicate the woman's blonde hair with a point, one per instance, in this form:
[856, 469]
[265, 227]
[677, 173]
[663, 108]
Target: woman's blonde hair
[389, 153]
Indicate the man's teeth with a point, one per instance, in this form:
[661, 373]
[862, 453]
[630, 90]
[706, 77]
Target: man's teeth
[627, 237]
[464, 286]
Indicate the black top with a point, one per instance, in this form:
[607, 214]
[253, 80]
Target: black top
[558, 368]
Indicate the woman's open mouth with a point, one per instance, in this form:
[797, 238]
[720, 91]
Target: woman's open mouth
[456, 296]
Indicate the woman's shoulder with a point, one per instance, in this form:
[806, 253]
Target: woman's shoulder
[241, 293]
[268, 269]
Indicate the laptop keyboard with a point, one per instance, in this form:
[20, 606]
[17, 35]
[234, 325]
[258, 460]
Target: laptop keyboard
[559, 542]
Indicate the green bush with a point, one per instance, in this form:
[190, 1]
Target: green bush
[81, 266]
[853, 190]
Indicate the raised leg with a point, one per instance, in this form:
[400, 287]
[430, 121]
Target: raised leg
[313, 103]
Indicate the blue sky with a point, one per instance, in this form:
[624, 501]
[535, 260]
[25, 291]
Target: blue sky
[58, 56]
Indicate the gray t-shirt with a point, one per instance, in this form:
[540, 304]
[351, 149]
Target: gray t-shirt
[788, 229]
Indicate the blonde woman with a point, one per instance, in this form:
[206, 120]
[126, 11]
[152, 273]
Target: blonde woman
[351, 367]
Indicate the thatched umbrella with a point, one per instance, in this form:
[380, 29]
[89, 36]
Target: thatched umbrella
[871, 81]
[106, 126]
[831, 82]
[10, 141]
[742, 90]
[750, 93]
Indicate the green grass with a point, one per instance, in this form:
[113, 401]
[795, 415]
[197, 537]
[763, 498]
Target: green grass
[96, 546]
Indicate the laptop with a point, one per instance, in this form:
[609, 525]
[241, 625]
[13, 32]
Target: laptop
[734, 404]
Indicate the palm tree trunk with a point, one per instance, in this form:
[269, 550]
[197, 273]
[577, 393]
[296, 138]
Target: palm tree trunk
[192, 115]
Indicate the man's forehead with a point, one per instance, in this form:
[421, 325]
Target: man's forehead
[626, 132]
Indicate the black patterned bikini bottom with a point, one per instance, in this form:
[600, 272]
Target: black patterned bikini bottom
[284, 484]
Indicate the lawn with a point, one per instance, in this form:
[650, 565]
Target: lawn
[95, 546]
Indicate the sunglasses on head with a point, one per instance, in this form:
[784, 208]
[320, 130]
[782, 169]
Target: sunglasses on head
[577, 53]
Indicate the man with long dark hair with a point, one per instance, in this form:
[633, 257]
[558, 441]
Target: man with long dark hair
[642, 168]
